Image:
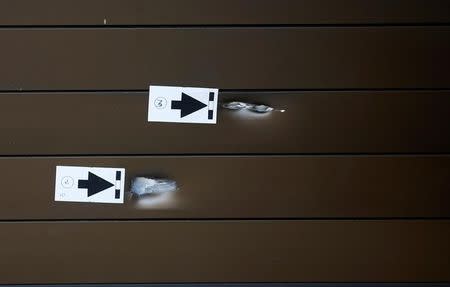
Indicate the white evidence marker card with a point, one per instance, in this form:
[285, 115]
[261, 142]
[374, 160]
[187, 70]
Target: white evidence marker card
[89, 184]
[182, 105]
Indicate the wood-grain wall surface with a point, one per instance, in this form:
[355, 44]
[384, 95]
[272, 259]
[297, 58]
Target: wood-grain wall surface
[244, 188]
[221, 12]
[227, 58]
[314, 122]
[248, 285]
[350, 184]
[225, 251]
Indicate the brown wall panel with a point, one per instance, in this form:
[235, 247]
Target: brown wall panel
[315, 122]
[264, 251]
[73, 76]
[242, 187]
[195, 12]
[227, 58]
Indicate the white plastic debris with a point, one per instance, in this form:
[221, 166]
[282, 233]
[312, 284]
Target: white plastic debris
[148, 186]
[251, 107]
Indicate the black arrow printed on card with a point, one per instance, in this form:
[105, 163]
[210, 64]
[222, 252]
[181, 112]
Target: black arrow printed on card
[94, 184]
[187, 105]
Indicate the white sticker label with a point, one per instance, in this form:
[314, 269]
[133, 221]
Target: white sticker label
[89, 184]
[182, 105]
